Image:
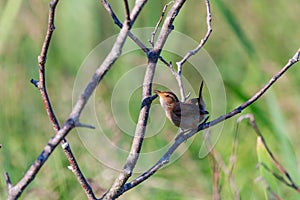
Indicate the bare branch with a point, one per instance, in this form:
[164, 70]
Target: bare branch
[17, 190]
[151, 41]
[106, 65]
[127, 13]
[41, 85]
[256, 96]
[8, 181]
[144, 112]
[79, 124]
[203, 40]
[42, 61]
[179, 64]
[130, 34]
[183, 137]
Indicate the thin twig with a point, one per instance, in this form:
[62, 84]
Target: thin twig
[41, 84]
[151, 41]
[203, 40]
[127, 13]
[179, 64]
[290, 182]
[256, 96]
[183, 137]
[8, 181]
[42, 88]
[33, 170]
[130, 34]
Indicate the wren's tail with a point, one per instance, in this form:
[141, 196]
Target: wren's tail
[201, 103]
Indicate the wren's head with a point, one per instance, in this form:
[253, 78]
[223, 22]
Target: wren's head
[166, 99]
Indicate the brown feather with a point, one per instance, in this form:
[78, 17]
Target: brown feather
[186, 115]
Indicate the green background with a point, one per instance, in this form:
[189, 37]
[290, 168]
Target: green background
[251, 41]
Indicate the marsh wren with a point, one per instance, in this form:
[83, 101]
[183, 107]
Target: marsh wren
[186, 115]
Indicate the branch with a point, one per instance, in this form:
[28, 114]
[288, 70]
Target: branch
[151, 41]
[183, 137]
[130, 34]
[73, 120]
[8, 181]
[16, 190]
[41, 85]
[178, 74]
[127, 15]
[203, 40]
[116, 188]
[107, 63]
[256, 96]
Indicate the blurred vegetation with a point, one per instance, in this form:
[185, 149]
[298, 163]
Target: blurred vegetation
[251, 41]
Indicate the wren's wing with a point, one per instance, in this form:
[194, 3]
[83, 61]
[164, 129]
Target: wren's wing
[176, 114]
[185, 110]
[186, 115]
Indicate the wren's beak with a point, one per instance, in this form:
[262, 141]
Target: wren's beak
[157, 92]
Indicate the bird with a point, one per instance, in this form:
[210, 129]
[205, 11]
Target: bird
[186, 115]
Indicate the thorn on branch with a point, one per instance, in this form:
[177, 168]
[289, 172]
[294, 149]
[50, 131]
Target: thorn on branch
[239, 109]
[148, 101]
[42, 157]
[35, 83]
[79, 124]
[171, 27]
[52, 27]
